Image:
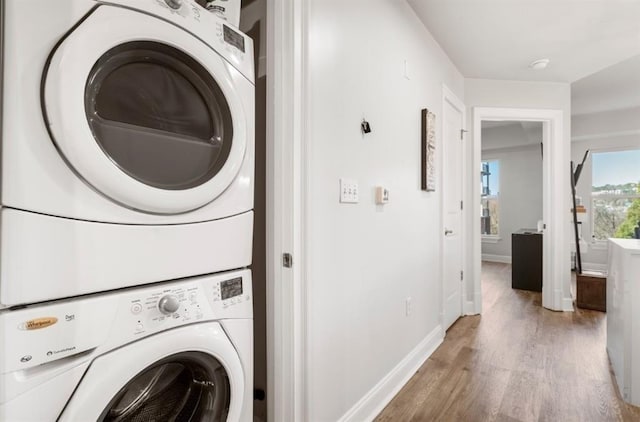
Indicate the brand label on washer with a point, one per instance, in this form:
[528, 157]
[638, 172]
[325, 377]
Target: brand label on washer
[37, 323]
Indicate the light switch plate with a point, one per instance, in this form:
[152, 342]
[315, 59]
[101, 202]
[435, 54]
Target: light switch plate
[349, 191]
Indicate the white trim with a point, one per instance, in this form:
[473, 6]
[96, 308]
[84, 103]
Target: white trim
[567, 304]
[505, 259]
[581, 138]
[469, 307]
[594, 266]
[286, 200]
[372, 403]
[556, 271]
[599, 245]
[491, 238]
[448, 96]
[477, 302]
[617, 148]
[609, 196]
[502, 150]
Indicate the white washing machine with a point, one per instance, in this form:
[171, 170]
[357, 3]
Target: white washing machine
[178, 351]
[127, 146]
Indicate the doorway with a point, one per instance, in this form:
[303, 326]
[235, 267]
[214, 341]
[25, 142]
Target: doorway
[556, 275]
[512, 200]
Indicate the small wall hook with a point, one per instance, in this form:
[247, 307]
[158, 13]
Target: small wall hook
[365, 126]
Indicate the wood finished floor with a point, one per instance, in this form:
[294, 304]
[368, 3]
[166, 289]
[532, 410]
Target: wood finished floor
[515, 362]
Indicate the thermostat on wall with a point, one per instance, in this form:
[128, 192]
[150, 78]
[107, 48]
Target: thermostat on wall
[382, 195]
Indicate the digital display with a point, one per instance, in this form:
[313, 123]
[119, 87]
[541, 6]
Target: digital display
[233, 38]
[231, 288]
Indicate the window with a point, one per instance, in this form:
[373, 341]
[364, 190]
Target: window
[489, 219]
[615, 194]
[159, 115]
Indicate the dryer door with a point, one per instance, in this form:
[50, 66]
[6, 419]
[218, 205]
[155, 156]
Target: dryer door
[191, 373]
[144, 112]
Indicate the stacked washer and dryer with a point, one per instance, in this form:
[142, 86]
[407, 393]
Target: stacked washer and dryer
[126, 222]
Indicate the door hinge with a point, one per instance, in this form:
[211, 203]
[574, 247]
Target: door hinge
[462, 132]
[287, 260]
[462, 205]
[461, 275]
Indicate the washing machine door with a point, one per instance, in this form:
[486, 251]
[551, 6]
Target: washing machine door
[187, 374]
[144, 112]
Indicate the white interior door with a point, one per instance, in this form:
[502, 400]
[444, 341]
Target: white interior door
[453, 122]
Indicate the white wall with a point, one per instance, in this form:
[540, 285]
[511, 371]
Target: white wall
[520, 183]
[526, 95]
[364, 260]
[610, 130]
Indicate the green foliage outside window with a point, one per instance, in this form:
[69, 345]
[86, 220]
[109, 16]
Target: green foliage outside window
[627, 227]
[616, 215]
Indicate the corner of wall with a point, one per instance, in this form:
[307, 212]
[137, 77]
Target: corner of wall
[372, 403]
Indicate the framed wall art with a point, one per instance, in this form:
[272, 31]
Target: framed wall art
[428, 181]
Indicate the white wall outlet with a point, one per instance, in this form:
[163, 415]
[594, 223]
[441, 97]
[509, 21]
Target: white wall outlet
[382, 195]
[407, 306]
[349, 191]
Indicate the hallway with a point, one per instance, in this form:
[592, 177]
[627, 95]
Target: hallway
[516, 362]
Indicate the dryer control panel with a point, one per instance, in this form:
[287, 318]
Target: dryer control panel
[227, 40]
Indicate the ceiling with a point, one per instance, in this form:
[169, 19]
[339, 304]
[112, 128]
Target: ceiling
[616, 87]
[497, 39]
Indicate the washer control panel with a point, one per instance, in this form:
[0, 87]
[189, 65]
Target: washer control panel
[204, 298]
[48, 332]
[174, 4]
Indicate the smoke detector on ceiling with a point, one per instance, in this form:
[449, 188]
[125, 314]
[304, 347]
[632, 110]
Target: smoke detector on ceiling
[539, 64]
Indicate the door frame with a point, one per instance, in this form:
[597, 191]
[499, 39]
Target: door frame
[452, 99]
[286, 205]
[556, 294]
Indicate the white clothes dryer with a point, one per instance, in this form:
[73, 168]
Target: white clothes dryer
[178, 351]
[127, 145]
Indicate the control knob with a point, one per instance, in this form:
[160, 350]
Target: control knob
[174, 4]
[168, 304]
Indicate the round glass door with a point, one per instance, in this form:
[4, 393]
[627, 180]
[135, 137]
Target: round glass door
[189, 386]
[158, 115]
[149, 116]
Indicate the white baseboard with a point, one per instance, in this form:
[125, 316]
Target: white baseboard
[369, 406]
[469, 308]
[592, 266]
[505, 259]
[567, 304]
